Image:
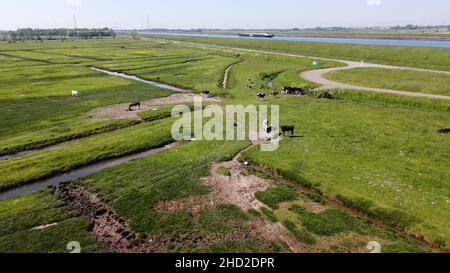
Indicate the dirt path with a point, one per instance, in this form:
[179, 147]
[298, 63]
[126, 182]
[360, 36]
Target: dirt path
[225, 78]
[120, 111]
[316, 75]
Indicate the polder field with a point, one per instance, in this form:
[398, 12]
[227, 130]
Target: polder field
[361, 167]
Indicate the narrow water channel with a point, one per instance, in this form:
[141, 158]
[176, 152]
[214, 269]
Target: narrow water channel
[135, 78]
[111, 73]
[82, 172]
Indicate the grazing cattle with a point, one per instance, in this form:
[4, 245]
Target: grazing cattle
[134, 104]
[261, 95]
[274, 94]
[75, 93]
[296, 91]
[444, 131]
[206, 93]
[289, 128]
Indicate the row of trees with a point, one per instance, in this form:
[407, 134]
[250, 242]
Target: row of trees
[29, 34]
[415, 27]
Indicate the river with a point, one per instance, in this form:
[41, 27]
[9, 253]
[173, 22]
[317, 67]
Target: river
[359, 41]
[82, 172]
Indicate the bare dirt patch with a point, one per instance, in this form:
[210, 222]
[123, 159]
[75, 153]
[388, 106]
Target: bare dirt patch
[121, 111]
[107, 227]
[238, 189]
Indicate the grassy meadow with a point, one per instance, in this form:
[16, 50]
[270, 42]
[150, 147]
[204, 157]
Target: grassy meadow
[420, 57]
[406, 80]
[378, 154]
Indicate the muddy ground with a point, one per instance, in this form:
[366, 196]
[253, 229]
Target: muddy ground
[121, 111]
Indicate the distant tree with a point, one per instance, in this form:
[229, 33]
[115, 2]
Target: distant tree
[61, 33]
[134, 34]
[12, 36]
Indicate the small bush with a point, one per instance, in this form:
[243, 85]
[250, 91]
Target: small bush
[361, 204]
[302, 235]
[395, 218]
[325, 95]
[440, 242]
[316, 198]
[272, 217]
[254, 213]
[274, 196]
[231, 211]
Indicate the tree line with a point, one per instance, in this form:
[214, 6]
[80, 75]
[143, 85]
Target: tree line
[29, 34]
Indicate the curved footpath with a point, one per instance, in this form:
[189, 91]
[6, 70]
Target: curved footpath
[316, 76]
[225, 77]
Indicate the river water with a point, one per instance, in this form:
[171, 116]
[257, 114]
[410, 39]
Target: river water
[82, 172]
[359, 41]
[134, 78]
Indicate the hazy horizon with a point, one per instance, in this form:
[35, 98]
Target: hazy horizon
[215, 14]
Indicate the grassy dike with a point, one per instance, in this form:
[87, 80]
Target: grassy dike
[420, 57]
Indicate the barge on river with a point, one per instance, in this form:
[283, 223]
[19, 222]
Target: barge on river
[257, 35]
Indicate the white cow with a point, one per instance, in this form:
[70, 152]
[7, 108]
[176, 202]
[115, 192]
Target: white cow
[75, 93]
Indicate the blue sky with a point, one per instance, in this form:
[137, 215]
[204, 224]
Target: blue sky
[221, 13]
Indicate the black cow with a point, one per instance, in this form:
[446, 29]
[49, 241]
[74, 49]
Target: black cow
[444, 131]
[285, 129]
[261, 95]
[206, 93]
[274, 94]
[134, 104]
[296, 91]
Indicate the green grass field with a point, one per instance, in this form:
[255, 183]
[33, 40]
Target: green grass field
[406, 80]
[376, 153]
[21, 216]
[421, 57]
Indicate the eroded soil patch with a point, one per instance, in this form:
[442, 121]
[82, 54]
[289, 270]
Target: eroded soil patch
[121, 111]
[238, 189]
[107, 227]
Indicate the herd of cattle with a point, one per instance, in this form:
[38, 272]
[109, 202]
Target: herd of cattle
[294, 91]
